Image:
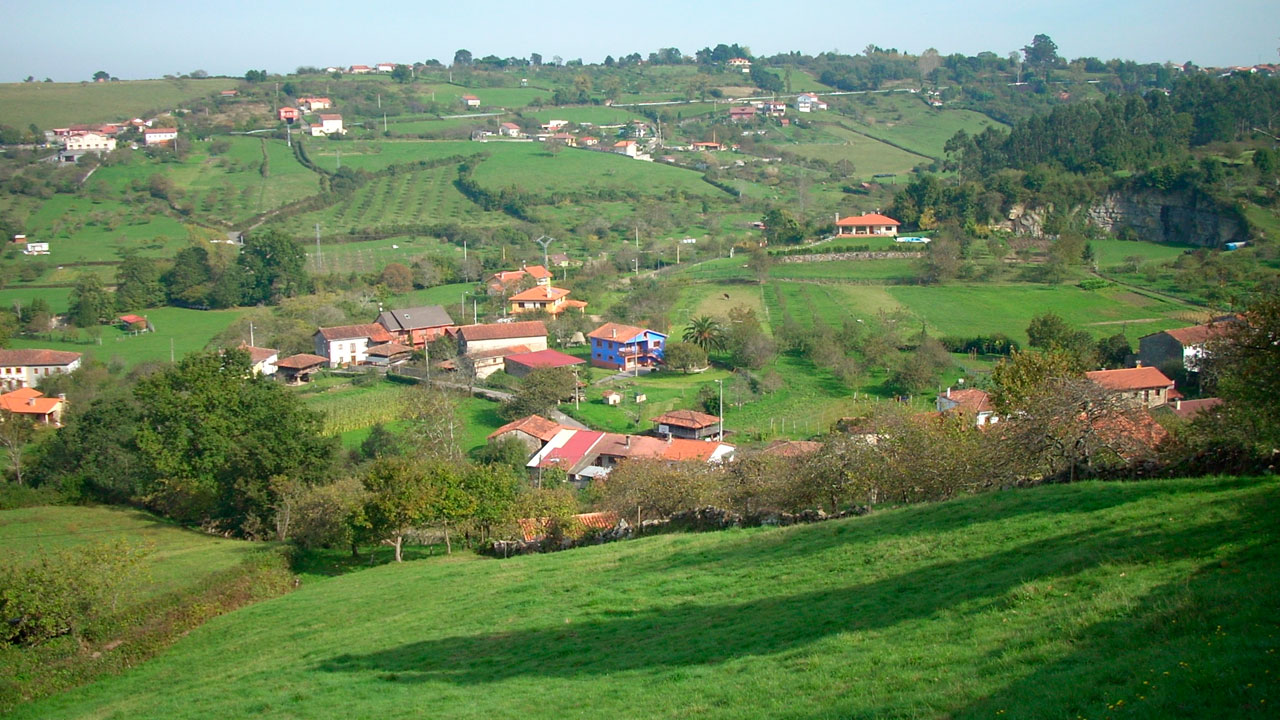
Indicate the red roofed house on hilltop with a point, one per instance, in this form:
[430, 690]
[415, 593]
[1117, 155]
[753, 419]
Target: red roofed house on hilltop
[970, 402]
[360, 70]
[349, 344]
[869, 224]
[26, 367]
[1147, 385]
[738, 63]
[521, 364]
[32, 403]
[1185, 345]
[689, 424]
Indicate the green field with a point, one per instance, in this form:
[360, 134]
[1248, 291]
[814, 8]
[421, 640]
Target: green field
[51, 105]
[376, 155]
[868, 155]
[178, 330]
[591, 115]
[905, 120]
[1148, 600]
[531, 167]
[180, 557]
[1111, 252]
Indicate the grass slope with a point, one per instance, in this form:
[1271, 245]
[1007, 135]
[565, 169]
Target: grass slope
[52, 104]
[1143, 600]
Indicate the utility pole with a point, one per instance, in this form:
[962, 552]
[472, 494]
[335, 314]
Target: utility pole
[721, 433]
[251, 334]
[319, 254]
[544, 241]
[384, 122]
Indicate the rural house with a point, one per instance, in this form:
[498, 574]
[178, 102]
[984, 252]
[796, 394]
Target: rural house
[299, 368]
[808, 102]
[743, 113]
[262, 360]
[544, 298]
[971, 402]
[1147, 385]
[389, 354]
[26, 367]
[624, 347]
[509, 129]
[288, 114]
[1183, 345]
[471, 101]
[328, 125]
[159, 136]
[349, 344]
[360, 70]
[689, 424]
[872, 224]
[521, 364]
[570, 450]
[77, 145]
[384, 67]
[417, 326]
[742, 64]
[502, 336]
[312, 104]
[533, 431]
[32, 403]
[507, 280]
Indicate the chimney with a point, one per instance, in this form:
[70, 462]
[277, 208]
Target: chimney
[1138, 364]
[627, 443]
[948, 392]
[613, 332]
[669, 438]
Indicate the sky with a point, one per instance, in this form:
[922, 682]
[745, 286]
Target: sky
[147, 40]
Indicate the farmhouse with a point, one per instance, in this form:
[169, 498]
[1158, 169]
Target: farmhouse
[503, 281]
[385, 67]
[77, 145]
[26, 367]
[288, 114]
[417, 326]
[509, 129]
[869, 224]
[708, 146]
[33, 404]
[311, 104]
[808, 102]
[627, 147]
[554, 125]
[742, 113]
[471, 101]
[522, 364]
[531, 335]
[1147, 385]
[328, 125]
[299, 368]
[533, 432]
[159, 136]
[624, 347]
[742, 64]
[262, 360]
[1183, 345]
[544, 298]
[689, 424]
[349, 344]
[971, 403]
[360, 70]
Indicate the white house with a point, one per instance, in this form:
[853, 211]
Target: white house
[471, 101]
[385, 67]
[263, 360]
[509, 129]
[349, 344]
[742, 64]
[809, 102]
[360, 70]
[159, 136]
[311, 104]
[78, 144]
[328, 125]
[26, 367]
[970, 402]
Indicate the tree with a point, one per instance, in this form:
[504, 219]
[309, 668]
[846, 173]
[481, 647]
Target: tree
[462, 58]
[535, 59]
[381, 442]
[401, 494]
[397, 277]
[101, 76]
[255, 76]
[434, 424]
[541, 391]
[1245, 366]
[782, 228]
[1019, 380]
[705, 332]
[402, 74]
[90, 303]
[138, 283]
[1042, 53]
[16, 430]
[213, 435]
[760, 262]
[273, 268]
[1114, 351]
[684, 356]
[1048, 331]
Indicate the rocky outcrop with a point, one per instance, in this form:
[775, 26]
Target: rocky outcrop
[1152, 216]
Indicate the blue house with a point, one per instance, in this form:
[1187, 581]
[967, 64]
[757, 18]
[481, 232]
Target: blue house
[623, 347]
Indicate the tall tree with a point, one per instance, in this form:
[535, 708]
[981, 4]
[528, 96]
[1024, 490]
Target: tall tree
[91, 304]
[138, 283]
[274, 268]
[462, 58]
[705, 332]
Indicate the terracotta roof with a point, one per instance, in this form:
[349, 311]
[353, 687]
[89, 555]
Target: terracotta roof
[631, 446]
[1139, 378]
[30, 357]
[388, 350]
[868, 219]
[416, 318]
[545, 359]
[502, 331]
[29, 401]
[258, 354]
[510, 126]
[1197, 334]
[1188, 409]
[575, 303]
[542, 292]
[131, 319]
[159, 130]
[536, 528]
[301, 361]
[539, 272]
[501, 352]
[687, 419]
[680, 449]
[534, 425]
[324, 117]
[792, 448]
[372, 331]
[971, 400]
[616, 331]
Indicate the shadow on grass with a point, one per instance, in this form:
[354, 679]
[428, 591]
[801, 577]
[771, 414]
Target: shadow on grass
[700, 635]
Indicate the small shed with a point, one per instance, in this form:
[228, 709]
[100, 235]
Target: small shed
[388, 354]
[299, 368]
[612, 397]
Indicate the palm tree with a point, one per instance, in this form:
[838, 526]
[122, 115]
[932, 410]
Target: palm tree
[705, 332]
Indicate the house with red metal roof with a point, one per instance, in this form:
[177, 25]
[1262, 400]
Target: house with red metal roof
[570, 450]
[521, 364]
[1147, 385]
[872, 224]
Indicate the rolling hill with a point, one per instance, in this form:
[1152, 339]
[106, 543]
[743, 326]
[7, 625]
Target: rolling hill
[1149, 600]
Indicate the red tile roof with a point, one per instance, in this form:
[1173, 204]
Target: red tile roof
[545, 359]
[1188, 409]
[32, 357]
[1197, 334]
[681, 449]
[301, 361]
[536, 528]
[503, 331]
[388, 350]
[131, 319]
[691, 419]
[159, 130]
[616, 331]
[539, 272]
[259, 354]
[1139, 378]
[545, 293]
[868, 219]
[29, 401]
[631, 446]
[372, 331]
[534, 425]
[971, 400]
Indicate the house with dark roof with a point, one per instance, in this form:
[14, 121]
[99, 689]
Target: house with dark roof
[626, 347]
[689, 424]
[349, 344]
[299, 368]
[1147, 385]
[26, 367]
[416, 326]
[1185, 345]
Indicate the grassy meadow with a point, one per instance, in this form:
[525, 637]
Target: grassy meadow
[178, 331]
[58, 104]
[1145, 600]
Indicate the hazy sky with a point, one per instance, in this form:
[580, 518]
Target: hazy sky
[137, 40]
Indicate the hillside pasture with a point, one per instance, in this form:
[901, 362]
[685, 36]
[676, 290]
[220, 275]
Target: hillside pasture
[373, 155]
[178, 330]
[531, 167]
[50, 105]
[868, 155]
[906, 120]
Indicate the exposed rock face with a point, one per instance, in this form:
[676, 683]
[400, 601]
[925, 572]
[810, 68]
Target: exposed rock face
[1155, 217]
[1167, 218]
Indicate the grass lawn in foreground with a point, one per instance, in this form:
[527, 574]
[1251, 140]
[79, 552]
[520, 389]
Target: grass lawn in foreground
[1150, 599]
